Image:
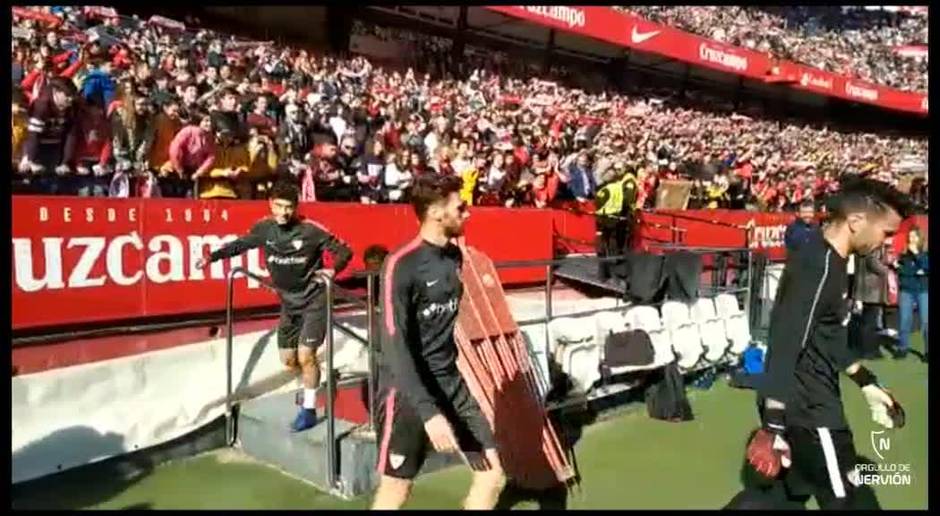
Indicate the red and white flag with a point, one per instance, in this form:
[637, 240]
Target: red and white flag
[167, 23]
[912, 51]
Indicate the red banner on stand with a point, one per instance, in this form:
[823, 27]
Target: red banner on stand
[80, 260]
[628, 30]
[85, 260]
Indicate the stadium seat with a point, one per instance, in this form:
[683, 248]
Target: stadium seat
[683, 333]
[539, 355]
[711, 328]
[576, 351]
[647, 318]
[580, 361]
[736, 324]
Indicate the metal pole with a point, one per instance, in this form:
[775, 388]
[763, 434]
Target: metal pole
[330, 389]
[750, 286]
[229, 323]
[548, 316]
[370, 317]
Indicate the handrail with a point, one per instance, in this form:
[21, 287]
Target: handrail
[332, 449]
[230, 436]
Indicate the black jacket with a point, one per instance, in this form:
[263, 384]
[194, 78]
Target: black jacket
[293, 252]
[808, 340]
[644, 275]
[421, 292]
[681, 273]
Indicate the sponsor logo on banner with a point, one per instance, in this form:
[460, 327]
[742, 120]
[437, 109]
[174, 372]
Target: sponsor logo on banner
[860, 92]
[638, 37]
[722, 57]
[571, 16]
[83, 261]
[768, 236]
[923, 103]
[808, 79]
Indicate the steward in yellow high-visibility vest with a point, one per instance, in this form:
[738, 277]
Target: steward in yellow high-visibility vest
[615, 206]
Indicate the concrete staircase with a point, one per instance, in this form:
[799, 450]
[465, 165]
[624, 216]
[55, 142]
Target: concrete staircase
[263, 433]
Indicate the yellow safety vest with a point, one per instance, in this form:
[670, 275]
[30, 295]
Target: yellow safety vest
[614, 204]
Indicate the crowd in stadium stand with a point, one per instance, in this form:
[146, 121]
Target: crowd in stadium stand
[106, 106]
[854, 42]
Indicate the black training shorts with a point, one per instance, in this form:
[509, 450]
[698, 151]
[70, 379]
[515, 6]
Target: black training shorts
[403, 443]
[823, 466]
[306, 328]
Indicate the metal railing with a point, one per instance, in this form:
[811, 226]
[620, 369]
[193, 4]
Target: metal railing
[370, 340]
[332, 459]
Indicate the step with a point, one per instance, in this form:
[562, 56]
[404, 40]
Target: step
[263, 433]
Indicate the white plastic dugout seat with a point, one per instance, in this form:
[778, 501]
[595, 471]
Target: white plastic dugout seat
[647, 318]
[683, 332]
[711, 328]
[736, 324]
[576, 351]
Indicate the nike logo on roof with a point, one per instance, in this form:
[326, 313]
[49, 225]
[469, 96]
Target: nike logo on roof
[640, 37]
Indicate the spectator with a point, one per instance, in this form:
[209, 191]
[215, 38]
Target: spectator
[494, 108]
[544, 187]
[227, 177]
[166, 124]
[189, 104]
[840, 40]
[869, 295]
[50, 123]
[19, 127]
[88, 152]
[371, 172]
[294, 138]
[348, 165]
[470, 175]
[913, 268]
[581, 179]
[260, 118]
[262, 153]
[398, 177]
[98, 86]
[130, 124]
[803, 229]
[192, 155]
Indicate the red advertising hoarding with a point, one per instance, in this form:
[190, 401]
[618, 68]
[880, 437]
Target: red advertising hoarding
[78, 260]
[84, 260]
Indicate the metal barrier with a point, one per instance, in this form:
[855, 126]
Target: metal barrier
[370, 341]
[331, 448]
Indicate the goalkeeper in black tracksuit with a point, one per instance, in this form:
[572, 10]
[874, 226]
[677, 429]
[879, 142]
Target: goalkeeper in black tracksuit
[293, 249]
[805, 441]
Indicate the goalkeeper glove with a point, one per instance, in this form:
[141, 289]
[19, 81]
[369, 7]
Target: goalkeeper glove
[768, 451]
[885, 410]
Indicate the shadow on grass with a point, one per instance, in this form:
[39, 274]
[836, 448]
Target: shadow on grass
[77, 488]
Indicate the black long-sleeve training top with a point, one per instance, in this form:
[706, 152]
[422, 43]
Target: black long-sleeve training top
[294, 253]
[808, 341]
[421, 291]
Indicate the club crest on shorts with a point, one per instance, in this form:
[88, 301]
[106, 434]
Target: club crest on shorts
[298, 243]
[396, 460]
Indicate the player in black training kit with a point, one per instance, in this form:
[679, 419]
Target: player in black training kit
[423, 401]
[805, 442]
[293, 249]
